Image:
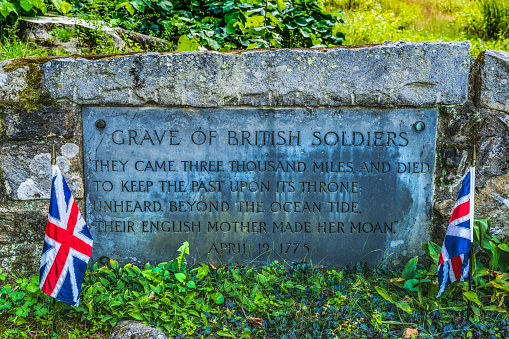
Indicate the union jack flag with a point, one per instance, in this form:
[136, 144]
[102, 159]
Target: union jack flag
[454, 261]
[67, 245]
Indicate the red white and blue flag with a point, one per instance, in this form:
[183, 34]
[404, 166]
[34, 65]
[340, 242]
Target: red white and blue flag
[454, 261]
[67, 245]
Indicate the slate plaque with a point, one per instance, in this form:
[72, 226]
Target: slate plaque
[334, 186]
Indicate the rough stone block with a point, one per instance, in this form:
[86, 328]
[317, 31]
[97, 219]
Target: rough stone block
[12, 82]
[398, 73]
[22, 233]
[129, 329]
[491, 80]
[47, 121]
[460, 128]
[26, 170]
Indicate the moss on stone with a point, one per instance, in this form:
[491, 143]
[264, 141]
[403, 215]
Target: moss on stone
[2, 128]
[31, 97]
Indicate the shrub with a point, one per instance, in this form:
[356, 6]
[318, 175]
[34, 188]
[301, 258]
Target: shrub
[223, 24]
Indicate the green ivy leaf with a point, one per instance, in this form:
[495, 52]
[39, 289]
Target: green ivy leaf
[181, 277]
[480, 272]
[218, 298]
[114, 265]
[301, 21]
[6, 8]
[166, 5]
[26, 4]
[225, 334]
[494, 308]
[104, 282]
[410, 268]
[493, 264]
[32, 288]
[66, 7]
[136, 315]
[203, 270]
[281, 6]
[411, 285]
[262, 279]
[472, 296]
[139, 5]
[404, 306]
[57, 3]
[185, 44]
[383, 293]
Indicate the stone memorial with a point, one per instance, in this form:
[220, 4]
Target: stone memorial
[330, 155]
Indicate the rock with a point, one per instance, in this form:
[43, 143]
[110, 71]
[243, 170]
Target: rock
[26, 170]
[47, 121]
[38, 30]
[22, 233]
[12, 83]
[491, 80]
[393, 74]
[130, 329]
[492, 201]
[461, 128]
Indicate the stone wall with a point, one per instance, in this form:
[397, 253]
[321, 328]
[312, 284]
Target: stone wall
[41, 103]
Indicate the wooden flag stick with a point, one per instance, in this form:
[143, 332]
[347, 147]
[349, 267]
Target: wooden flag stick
[53, 156]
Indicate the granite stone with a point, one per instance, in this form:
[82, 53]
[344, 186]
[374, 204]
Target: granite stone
[491, 80]
[388, 75]
[130, 329]
[26, 170]
[47, 121]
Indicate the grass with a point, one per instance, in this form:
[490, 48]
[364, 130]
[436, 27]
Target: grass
[485, 23]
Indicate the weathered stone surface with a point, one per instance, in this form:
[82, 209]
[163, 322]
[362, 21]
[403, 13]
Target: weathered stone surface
[12, 83]
[47, 121]
[460, 128]
[415, 74]
[129, 329]
[26, 169]
[22, 226]
[491, 80]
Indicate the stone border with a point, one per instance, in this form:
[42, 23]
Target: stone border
[388, 75]
[491, 80]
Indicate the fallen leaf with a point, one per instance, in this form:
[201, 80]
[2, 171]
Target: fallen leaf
[255, 322]
[152, 295]
[409, 332]
[213, 267]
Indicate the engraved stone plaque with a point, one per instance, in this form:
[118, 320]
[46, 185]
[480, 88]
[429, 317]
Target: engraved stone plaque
[334, 186]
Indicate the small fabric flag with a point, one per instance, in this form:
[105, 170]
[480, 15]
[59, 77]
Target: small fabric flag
[67, 245]
[454, 260]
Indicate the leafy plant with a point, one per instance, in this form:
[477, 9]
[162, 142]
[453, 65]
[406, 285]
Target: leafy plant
[240, 301]
[490, 279]
[63, 34]
[224, 24]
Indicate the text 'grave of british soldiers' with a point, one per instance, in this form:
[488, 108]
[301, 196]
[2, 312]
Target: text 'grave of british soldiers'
[334, 186]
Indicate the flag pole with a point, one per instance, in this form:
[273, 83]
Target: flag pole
[53, 162]
[53, 156]
[472, 195]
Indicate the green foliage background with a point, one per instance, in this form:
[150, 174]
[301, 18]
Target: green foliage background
[223, 24]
